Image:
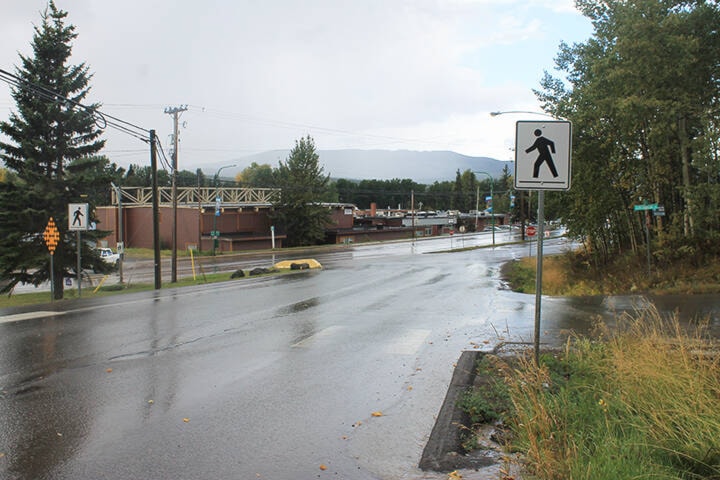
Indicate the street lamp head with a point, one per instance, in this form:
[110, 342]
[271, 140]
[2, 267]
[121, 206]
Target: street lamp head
[544, 114]
[217, 174]
[224, 167]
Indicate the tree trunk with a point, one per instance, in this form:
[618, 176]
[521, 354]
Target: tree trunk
[58, 284]
[685, 157]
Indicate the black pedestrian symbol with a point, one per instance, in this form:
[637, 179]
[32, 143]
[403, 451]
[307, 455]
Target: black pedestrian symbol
[544, 146]
[76, 217]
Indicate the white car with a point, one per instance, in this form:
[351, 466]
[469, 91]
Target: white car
[109, 256]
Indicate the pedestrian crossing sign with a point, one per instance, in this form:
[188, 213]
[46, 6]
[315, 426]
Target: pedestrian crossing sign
[77, 216]
[543, 152]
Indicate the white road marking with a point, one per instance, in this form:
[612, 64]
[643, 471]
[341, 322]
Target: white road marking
[28, 316]
[408, 343]
[325, 332]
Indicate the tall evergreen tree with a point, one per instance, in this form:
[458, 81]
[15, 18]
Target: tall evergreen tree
[458, 193]
[304, 186]
[52, 147]
[469, 191]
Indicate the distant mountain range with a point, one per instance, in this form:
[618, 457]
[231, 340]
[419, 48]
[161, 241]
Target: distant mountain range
[421, 167]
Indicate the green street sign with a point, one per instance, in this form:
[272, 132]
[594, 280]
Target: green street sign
[647, 206]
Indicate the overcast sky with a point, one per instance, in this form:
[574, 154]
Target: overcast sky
[256, 75]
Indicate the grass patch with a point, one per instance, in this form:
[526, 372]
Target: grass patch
[570, 274]
[642, 402]
[36, 298]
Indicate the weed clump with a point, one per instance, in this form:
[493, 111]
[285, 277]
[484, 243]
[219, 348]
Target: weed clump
[573, 274]
[642, 401]
[488, 401]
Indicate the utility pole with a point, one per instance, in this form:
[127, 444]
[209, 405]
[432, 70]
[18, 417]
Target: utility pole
[120, 239]
[175, 112]
[412, 209]
[156, 210]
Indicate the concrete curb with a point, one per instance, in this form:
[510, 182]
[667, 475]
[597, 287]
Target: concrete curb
[443, 451]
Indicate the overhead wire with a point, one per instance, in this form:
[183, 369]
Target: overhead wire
[223, 114]
[293, 125]
[163, 159]
[380, 140]
[102, 120]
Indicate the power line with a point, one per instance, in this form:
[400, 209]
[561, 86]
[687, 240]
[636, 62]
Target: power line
[293, 125]
[372, 140]
[102, 120]
[163, 158]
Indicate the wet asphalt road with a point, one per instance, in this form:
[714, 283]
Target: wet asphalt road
[271, 378]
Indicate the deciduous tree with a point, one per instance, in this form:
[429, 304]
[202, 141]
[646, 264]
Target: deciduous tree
[642, 93]
[256, 175]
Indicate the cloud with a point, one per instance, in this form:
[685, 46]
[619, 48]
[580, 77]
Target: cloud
[417, 74]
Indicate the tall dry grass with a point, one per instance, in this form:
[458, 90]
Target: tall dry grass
[642, 401]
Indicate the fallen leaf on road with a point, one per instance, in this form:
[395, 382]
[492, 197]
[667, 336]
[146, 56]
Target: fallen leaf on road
[186, 420]
[109, 370]
[323, 467]
[376, 414]
[151, 402]
[454, 475]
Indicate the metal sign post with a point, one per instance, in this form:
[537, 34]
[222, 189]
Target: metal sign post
[542, 162]
[51, 237]
[647, 208]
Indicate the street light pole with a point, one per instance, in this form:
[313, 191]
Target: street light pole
[218, 202]
[492, 213]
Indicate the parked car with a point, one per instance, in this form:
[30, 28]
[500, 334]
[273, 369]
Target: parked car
[108, 256]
